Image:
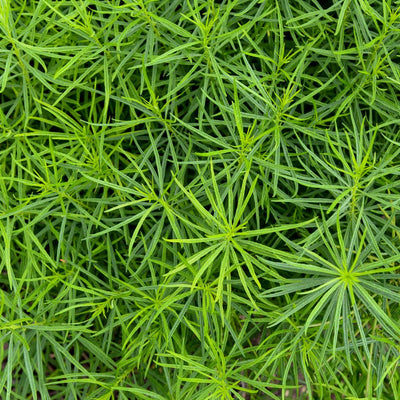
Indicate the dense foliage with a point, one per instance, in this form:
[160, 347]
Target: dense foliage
[199, 199]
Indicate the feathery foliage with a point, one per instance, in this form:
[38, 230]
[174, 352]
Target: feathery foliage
[199, 199]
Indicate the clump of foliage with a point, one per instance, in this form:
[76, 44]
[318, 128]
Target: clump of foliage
[199, 199]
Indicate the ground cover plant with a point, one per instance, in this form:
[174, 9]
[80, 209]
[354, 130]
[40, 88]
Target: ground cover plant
[199, 199]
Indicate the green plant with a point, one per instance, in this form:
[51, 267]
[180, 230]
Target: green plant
[199, 199]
